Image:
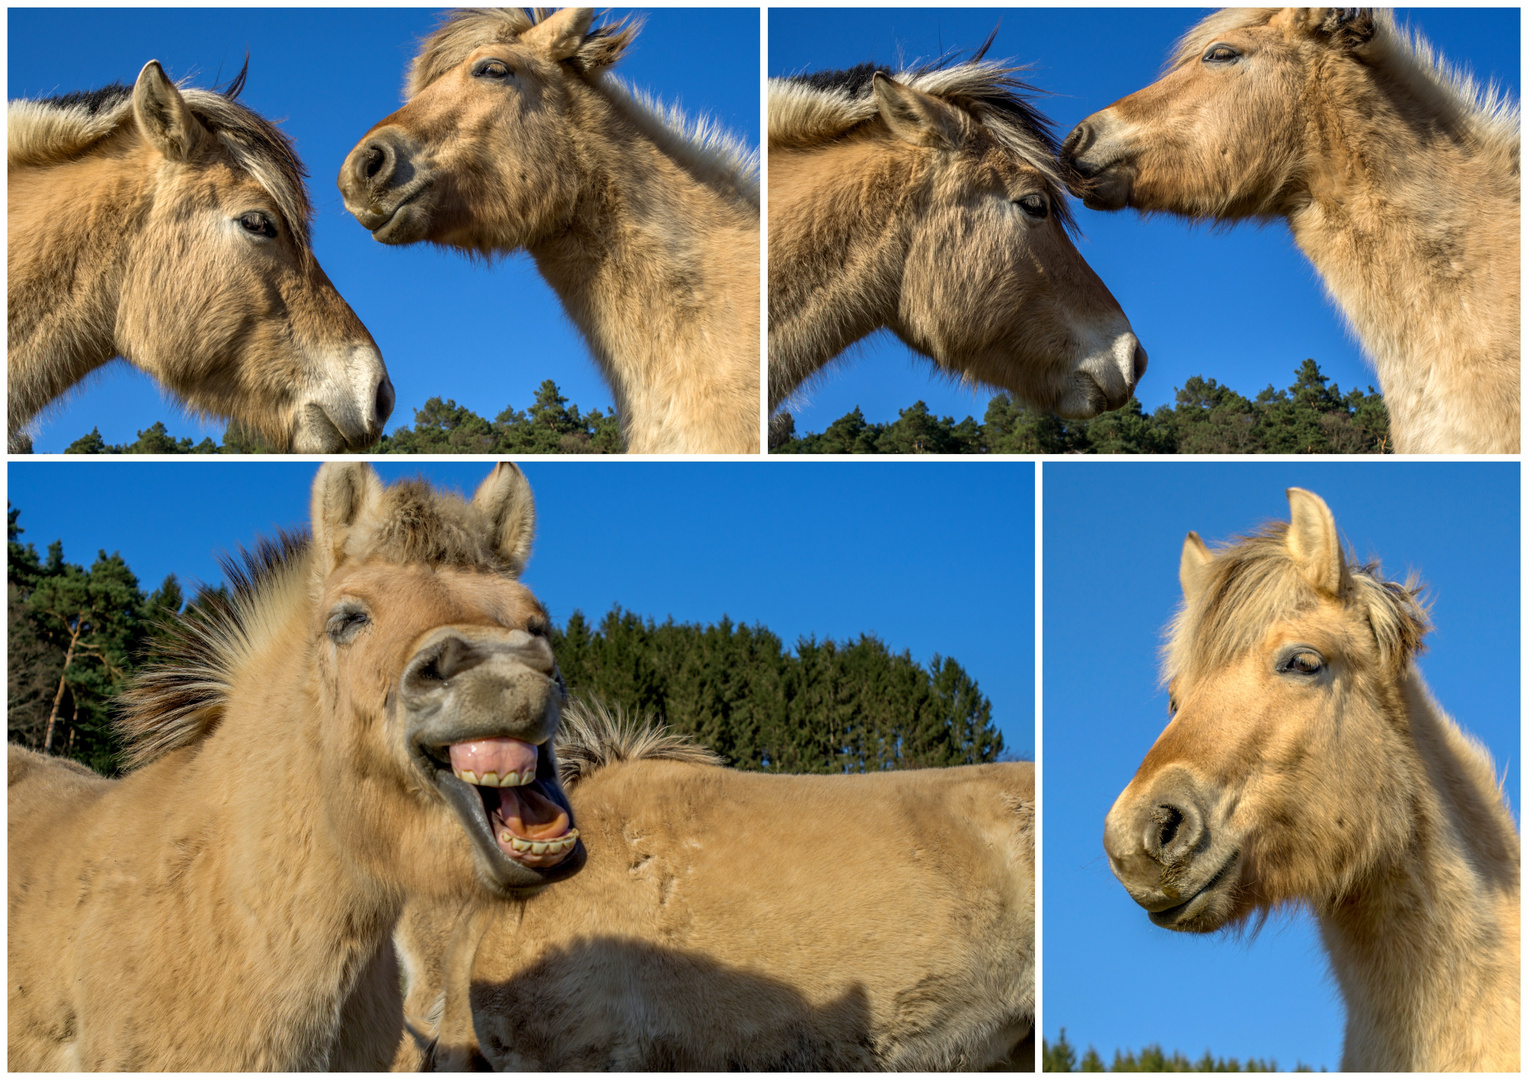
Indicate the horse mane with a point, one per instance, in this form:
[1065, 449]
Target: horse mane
[1252, 582]
[592, 735]
[711, 155]
[816, 108]
[49, 131]
[181, 696]
[1484, 111]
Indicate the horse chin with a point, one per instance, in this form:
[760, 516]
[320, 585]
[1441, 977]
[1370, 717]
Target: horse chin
[409, 223]
[1108, 190]
[1209, 909]
[315, 433]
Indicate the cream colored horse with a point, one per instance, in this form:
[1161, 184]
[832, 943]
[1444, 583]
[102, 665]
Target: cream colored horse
[1306, 762]
[731, 920]
[516, 136]
[170, 228]
[367, 721]
[931, 203]
[1398, 177]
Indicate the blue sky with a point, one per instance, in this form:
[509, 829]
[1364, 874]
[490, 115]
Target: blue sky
[1241, 306]
[485, 336]
[1113, 534]
[928, 557]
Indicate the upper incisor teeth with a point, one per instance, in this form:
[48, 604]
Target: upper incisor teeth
[493, 779]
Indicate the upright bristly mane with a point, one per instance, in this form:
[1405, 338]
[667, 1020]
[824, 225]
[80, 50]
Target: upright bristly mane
[1484, 111]
[49, 131]
[809, 110]
[711, 155]
[180, 697]
[592, 736]
[1252, 582]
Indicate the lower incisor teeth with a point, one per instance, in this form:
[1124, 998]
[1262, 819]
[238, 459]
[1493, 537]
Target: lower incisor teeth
[541, 847]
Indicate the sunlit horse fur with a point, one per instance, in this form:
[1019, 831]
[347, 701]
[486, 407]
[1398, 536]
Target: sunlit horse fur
[1306, 763]
[170, 228]
[1399, 178]
[296, 774]
[516, 136]
[930, 202]
[737, 920]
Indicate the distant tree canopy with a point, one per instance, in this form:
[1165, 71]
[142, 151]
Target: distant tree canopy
[549, 426]
[77, 636]
[1311, 417]
[1060, 1056]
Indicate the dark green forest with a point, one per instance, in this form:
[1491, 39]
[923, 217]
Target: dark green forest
[77, 635]
[549, 426]
[1061, 1056]
[1311, 416]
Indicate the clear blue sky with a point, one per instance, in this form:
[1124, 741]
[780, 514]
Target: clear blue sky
[927, 557]
[1113, 534]
[485, 336]
[1241, 306]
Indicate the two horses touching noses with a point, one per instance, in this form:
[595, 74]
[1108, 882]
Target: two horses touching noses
[1399, 178]
[170, 227]
[516, 136]
[1307, 763]
[367, 721]
[930, 202]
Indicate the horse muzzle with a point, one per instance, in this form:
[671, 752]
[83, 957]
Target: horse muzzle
[349, 406]
[386, 186]
[1102, 178]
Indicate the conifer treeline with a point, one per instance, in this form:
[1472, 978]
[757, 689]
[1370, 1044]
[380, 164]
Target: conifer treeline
[1061, 1056]
[1312, 416]
[78, 634]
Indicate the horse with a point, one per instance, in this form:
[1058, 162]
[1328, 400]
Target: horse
[1307, 763]
[930, 202]
[738, 920]
[170, 227]
[515, 136]
[1398, 178]
[367, 720]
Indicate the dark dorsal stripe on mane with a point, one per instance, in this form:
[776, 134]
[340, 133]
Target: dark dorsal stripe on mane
[47, 130]
[1252, 582]
[819, 107]
[592, 736]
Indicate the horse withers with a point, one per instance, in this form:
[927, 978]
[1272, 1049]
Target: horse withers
[1306, 763]
[170, 227]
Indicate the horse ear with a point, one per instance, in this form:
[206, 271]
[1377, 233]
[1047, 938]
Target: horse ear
[343, 493]
[1192, 565]
[561, 33]
[1349, 28]
[916, 117]
[1313, 543]
[163, 115]
[506, 503]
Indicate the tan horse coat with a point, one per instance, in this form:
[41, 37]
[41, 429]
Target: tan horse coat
[170, 228]
[931, 203]
[516, 136]
[1307, 763]
[735, 920]
[1399, 179]
[228, 904]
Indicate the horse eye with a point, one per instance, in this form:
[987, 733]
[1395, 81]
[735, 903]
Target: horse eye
[1304, 663]
[345, 624]
[1220, 54]
[1034, 205]
[258, 224]
[491, 69]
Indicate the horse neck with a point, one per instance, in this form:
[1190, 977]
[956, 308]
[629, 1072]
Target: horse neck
[71, 228]
[1425, 949]
[287, 921]
[660, 273]
[836, 252]
[1411, 220]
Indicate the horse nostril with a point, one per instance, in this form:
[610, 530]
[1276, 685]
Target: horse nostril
[371, 162]
[1167, 818]
[1076, 142]
[385, 399]
[1138, 365]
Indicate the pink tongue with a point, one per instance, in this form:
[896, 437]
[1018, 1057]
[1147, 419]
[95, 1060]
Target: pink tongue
[499, 756]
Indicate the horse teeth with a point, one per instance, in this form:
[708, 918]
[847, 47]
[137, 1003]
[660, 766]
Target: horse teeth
[526, 778]
[519, 845]
[538, 849]
[490, 779]
[467, 775]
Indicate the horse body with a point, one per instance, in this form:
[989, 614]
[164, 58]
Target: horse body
[169, 228]
[515, 136]
[1398, 180]
[228, 904]
[734, 920]
[1307, 763]
[930, 202]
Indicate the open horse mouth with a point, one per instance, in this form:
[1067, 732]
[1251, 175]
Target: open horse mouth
[507, 796]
